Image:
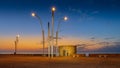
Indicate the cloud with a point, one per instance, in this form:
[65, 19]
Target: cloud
[114, 48]
[75, 10]
[89, 47]
[84, 14]
[81, 45]
[95, 12]
[116, 43]
[100, 47]
[109, 38]
[92, 38]
[104, 43]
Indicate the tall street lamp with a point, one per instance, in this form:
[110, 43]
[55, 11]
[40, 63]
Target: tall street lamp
[35, 15]
[49, 50]
[16, 43]
[52, 35]
[64, 18]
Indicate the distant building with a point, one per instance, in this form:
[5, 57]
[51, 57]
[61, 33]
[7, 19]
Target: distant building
[67, 50]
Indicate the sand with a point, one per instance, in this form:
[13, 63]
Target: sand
[58, 62]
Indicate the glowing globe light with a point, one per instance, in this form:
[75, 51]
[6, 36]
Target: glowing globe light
[65, 18]
[33, 14]
[53, 8]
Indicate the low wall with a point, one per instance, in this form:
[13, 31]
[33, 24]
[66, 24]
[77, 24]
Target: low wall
[98, 55]
[76, 55]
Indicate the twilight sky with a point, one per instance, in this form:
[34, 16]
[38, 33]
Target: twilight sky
[93, 23]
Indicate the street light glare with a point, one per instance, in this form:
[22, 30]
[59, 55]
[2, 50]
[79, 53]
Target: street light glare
[18, 36]
[33, 14]
[53, 8]
[65, 18]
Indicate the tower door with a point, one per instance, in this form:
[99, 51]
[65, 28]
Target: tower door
[65, 53]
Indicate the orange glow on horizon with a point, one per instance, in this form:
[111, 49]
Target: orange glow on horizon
[34, 43]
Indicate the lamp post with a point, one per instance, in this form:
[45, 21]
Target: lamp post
[49, 50]
[16, 43]
[65, 18]
[52, 35]
[35, 15]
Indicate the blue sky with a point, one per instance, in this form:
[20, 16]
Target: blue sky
[98, 19]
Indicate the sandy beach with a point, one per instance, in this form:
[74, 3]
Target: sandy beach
[58, 62]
